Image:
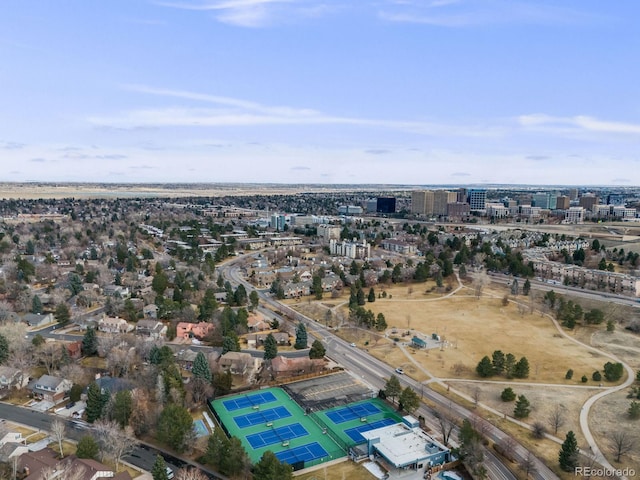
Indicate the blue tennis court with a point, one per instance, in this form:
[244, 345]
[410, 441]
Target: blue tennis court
[261, 416]
[254, 400]
[276, 435]
[303, 453]
[352, 412]
[354, 433]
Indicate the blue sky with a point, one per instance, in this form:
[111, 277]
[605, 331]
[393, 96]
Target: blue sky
[320, 91]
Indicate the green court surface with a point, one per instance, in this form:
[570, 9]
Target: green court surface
[348, 421]
[290, 434]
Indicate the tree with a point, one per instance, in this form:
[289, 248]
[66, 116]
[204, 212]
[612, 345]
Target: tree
[594, 317]
[301, 337]
[58, 430]
[372, 296]
[381, 322]
[613, 371]
[528, 465]
[497, 361]
[87, 448]
[509, 365]
[90, 342]
[539, 430]
[392, 388]
[621, 443]
[230, 343]
[568, 455]
[634, 410]
[62, 314]
[521, 369]
[596, 376]
[36, 305]
[270, 468]
[569, 374]
[191, 473]
[508, 395]
[317, 350]
[522, 407]
[316, 287]
[122, 408]
[557, 418]
[270, 347]
[485, 367]
[4, 349]
[175, 427]
[159, 469]
[201, 368]
[235, 459]
[95, 402]
[254, 299]
[526, 288]
[409, 400]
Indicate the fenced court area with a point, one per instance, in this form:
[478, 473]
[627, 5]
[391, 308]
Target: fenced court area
[271, 420]
[348, 422]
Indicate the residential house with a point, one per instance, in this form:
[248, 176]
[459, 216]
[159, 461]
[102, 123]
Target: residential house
[11, 450]
[12, 378]
[37, 319]
[50, 388]
[74, 349]
[236, 362]
[186, 330]
[258, 323]
[185, 358]
[36, 465]
[290, 367]
[256, 339]
[151, 328]
[150, 311]
[114, 325]
[119, 290]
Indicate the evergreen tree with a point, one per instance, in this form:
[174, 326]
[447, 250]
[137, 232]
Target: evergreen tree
[485, 367]
[62, 314]
[409, 400]
[526, 287]
[4, 349]
[240, 295]
[208, 305]
[301, 337]
[508, 395]
[270, 347]
[498, 362]
[522, 408]
[316, 287]
[36, 305]
[569, 374]
[122, 407]
[90, 342]
[87, 448]
[159, 469]
[317, 350]
[372, 296]
[230, 343]
[568, 455]
[613, 371]
[270, 468]
[509, 364]
[217, 446]
[392, 388]
[201, 368]
[521, 369]
[175, 427]
[381, 322]
[96, 401]
[360, 297]
[254, 299]
[235, 459]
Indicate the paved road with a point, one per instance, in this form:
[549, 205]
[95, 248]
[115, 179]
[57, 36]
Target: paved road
[375, 373]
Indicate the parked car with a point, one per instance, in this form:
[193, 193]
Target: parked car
[399, 371]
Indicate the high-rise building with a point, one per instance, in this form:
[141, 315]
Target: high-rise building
[442, 198]
[462, 195]
[573, 194]
[588, 201]
[541, 199]
[422, 202]
[386, 205]
[562, 203]
[477, 199]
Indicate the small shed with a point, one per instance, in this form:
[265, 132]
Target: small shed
[418, 342]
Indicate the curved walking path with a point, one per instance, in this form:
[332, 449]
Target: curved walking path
[595, 452]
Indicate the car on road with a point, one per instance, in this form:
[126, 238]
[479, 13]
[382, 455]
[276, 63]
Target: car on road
[352, 344]
[399, 371]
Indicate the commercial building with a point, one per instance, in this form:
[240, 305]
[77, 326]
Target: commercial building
[477, 199]
[574, 215]
[562, 202]
[588, 201]
[352, 249]
[432, 202]
[386, 205]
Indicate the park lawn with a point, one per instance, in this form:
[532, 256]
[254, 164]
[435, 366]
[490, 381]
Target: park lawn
[473, 328]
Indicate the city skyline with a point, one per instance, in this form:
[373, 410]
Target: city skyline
[334, 92]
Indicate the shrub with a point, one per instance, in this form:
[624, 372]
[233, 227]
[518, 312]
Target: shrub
[569, 374]
[539, 430]
[596, 377]
[508, 395]
[584, 379]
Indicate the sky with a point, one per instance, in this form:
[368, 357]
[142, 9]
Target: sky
[414, 92]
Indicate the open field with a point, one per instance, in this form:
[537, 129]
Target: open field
[473, 328]
[339, 471]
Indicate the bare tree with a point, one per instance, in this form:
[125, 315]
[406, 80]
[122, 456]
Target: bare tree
[539, 430]
[68, 471]
[557, 417]
[50, 355]
[190, 474]
[622, 442]
[114, 441]
[528, 465]
[506, 447]
[480, 281]
[446, 423]
[58, 430]
[476, 396]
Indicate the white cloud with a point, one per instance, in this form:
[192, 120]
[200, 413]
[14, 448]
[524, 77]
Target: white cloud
[554, 124]
[466, 13]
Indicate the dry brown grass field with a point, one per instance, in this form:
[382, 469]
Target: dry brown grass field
[340, 471]
[475, 327]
